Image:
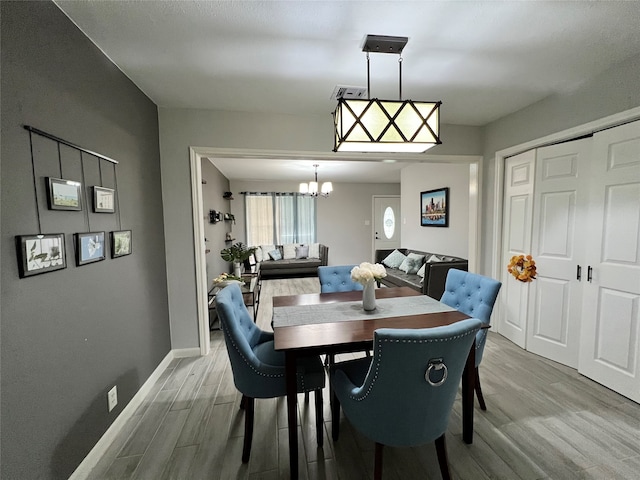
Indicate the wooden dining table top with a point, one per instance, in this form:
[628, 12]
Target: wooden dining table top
[318, 335]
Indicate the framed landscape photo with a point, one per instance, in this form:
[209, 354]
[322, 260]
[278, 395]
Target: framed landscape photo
[64, 194]
[434, 208]
[103, 200]
[120, 243]
[89, 247]
[40, 253]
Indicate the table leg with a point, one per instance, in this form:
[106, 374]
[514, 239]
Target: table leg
[468, 385]
[292, 406]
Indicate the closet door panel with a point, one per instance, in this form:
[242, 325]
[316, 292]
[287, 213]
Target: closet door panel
[559, 216]
[518, 204]
[610, 338]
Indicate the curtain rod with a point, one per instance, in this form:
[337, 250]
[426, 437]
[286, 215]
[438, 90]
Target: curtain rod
[69, 144]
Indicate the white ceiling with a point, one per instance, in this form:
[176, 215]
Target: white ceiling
[483, 59]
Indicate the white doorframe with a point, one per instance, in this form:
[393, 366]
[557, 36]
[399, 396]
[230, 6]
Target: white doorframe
[197, 153]
[571, 133]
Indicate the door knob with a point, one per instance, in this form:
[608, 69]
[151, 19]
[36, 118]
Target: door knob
[579, 273]
[589, 273]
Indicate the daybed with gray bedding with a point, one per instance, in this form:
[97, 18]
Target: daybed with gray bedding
[299, 260]
[422, 271]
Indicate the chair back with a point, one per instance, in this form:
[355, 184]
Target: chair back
[473, 295]
[406, 398]
[337, 278]
[253, 376]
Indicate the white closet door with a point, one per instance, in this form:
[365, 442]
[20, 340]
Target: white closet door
[610, 337]
[517, 208]
[559, 222]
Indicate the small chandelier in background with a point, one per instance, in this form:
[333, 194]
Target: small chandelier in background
[311, 188]
[386, 126]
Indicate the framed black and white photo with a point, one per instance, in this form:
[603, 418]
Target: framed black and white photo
[120, 243]
[434, 208]
[103, 200]
[64, 194]
[90, 247]
[40, 253]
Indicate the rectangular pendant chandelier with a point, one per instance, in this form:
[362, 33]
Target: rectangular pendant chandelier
[386, 126]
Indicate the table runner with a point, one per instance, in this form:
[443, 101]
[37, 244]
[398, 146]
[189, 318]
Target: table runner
[349, 311]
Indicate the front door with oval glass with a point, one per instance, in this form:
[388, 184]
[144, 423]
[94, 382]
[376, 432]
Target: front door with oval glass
[386, 224]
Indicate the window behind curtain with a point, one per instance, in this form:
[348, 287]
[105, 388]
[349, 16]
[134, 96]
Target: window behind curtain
[280, 218]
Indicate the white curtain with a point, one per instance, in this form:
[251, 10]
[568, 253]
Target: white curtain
[280, 218]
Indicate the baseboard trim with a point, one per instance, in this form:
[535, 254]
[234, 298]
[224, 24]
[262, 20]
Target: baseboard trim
[100, 448]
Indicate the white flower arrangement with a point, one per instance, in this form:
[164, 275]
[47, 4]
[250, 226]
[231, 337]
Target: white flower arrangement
[367, 272]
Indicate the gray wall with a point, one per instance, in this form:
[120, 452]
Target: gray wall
[417, 178]
[614, 91]
[184, 128]
[341, 216]
[214, 233]
[68, 336]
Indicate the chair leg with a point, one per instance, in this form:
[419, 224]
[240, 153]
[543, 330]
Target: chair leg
[319, 418]
[248, 428]
[441, 450]
[377, 466]
[335, 416]
[243, 401]
[306, 397]
[478, 389]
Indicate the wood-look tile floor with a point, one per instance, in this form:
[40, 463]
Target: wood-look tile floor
[544, 421]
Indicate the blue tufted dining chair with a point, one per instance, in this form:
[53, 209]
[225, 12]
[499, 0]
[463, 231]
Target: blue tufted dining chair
[404, 395]
[258, 369]
[475, 296]
[337, 278]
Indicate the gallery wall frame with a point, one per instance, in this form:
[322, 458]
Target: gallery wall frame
[434, 207]
[120, 243]
[90, 247]
[103, 200]
[64, 194]
[40, 253]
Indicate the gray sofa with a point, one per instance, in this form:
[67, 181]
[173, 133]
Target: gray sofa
[296, 267]
[435, 274]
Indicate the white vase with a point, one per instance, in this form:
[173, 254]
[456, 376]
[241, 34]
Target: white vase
[369, 296]
[237, 269]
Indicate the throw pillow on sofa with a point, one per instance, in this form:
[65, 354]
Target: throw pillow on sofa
[421, 272]
[302, 251]
[434, 259]
[412, 263]
[265, 251]
[257, 254]
[314, 250]
[394, 259]
[275, 254]
[289, 251]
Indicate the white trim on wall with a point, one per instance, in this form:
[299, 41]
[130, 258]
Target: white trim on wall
[199, 248]
[197, 153]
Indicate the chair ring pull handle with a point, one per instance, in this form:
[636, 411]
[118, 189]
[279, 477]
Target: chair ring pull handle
[436, 365]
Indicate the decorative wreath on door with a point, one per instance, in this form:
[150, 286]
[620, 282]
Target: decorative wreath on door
[523, 268]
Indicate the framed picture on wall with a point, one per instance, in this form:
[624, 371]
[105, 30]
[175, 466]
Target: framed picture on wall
[64, 194]
[103, 200]
[120, 243]
[89, 247]
[40, 253]
[434, 208]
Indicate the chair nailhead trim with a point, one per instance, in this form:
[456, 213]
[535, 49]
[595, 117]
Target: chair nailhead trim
[377, 366]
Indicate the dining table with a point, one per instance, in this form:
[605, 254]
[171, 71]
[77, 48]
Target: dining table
[333, 323]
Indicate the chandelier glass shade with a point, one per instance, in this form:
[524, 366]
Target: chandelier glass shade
[386, 125]
[311, 188]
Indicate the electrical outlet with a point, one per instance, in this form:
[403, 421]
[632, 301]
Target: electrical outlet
[112, 397]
